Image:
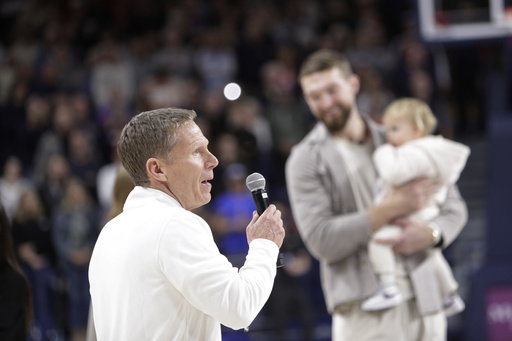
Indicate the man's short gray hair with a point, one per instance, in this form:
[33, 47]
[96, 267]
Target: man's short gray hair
[150, 134]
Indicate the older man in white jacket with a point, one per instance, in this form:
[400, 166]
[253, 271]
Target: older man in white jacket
[156, 272]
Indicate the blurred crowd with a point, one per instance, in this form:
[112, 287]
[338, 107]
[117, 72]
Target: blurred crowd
[72, 73]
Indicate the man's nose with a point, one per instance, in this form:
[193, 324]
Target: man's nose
[325, 102]
[212, 161]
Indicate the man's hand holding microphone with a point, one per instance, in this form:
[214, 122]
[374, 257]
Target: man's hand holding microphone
[268, 226]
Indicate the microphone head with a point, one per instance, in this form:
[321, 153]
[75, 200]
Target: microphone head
[255, 182]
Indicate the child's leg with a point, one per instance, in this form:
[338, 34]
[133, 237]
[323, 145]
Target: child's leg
[383, 260]
[382, 256]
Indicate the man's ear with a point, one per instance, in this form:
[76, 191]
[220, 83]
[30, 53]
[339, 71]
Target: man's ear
[154, 168]
[355, 82]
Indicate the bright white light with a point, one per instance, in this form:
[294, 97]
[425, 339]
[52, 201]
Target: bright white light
[232, 91]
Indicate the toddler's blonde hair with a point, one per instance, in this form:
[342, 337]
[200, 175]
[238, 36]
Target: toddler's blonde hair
[416, 110]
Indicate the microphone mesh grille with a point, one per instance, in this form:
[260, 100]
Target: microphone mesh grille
[255, 181]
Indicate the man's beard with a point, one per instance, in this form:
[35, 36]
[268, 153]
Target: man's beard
[336, 124]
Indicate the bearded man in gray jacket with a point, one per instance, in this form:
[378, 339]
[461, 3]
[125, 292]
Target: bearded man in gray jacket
[330, 179]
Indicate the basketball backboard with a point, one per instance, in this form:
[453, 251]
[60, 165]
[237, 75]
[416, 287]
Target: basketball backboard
[464, 20]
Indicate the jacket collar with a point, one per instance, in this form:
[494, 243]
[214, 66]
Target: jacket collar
[141, 195]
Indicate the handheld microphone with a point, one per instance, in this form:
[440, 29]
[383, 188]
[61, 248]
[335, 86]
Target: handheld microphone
[256, 184]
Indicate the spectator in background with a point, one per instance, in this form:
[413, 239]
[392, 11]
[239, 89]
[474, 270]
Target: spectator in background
[83, 159]
[37, 122]
[32, 235]
[112, 117]
[338, 36]
[75, 228]
[58, 67]
[12, 186]
[370, 47]
[161, 88]
[174, 54]
[83, 114]
[15, 300]
[54, 181]
[141, 46]
[105, 181]
[122, 187]
[245, 119]
[55, 140]
[8, 74]
[25, 45]
[228, 152]
[112, 75]
[295, 25]
[247, 142]
[230, 211]
[255, 45]
[215, 59]
[12, 120]
[212, 108]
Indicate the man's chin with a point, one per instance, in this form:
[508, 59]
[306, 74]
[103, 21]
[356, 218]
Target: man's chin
[207, 198]
[334, 127]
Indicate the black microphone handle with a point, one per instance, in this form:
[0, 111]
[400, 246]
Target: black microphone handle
[261, 201]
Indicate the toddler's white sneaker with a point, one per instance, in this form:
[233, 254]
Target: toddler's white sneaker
[388, 296]
[453, 304]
